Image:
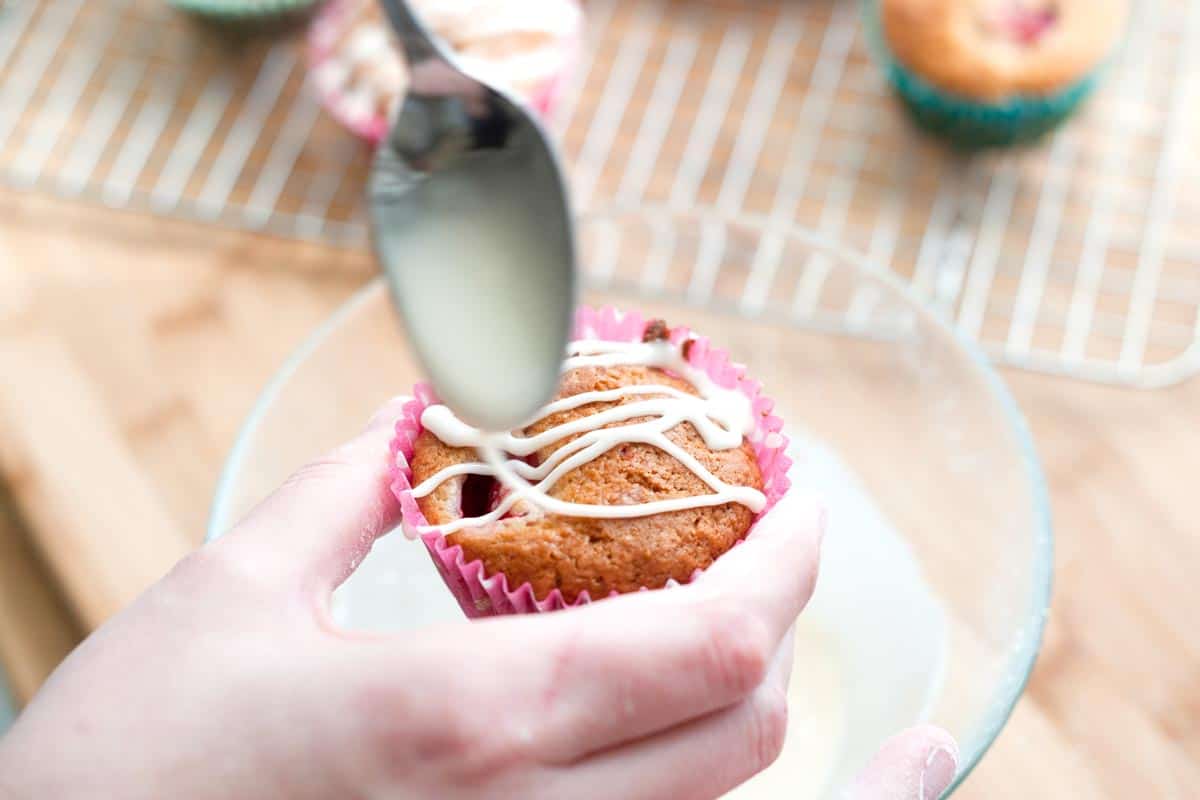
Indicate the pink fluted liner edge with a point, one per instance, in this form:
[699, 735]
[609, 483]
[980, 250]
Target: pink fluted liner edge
[322, 32]
[483, 595]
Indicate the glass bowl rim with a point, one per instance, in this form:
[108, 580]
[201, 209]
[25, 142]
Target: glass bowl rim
[1027, 646]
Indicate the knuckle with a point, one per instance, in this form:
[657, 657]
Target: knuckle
[184, 596]
[211, 564]
[455, 738]
[479, 752]
[769, 721]
[239, 569]
[331, 464]
[196, 566]
[403, 735]
[739, 651]
[459, 740]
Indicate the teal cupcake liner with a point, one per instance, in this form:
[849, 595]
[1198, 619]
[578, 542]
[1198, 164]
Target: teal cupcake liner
[234, 11]
[970, 123]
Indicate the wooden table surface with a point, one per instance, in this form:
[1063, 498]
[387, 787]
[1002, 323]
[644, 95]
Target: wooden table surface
[131, 349]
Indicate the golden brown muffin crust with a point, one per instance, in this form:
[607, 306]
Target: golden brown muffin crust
[962, 46]
[599, 556]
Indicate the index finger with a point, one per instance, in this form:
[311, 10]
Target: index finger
[634, 665]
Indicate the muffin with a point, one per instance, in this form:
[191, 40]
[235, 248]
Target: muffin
[650, 463]
[994, 72]
[360, 74]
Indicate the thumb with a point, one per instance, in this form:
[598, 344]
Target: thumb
[917, 764]
[322, 521]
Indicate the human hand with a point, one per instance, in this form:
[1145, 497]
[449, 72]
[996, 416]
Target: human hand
[229, 679]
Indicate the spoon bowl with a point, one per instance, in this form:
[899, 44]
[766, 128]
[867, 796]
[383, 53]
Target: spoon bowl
[472, 227]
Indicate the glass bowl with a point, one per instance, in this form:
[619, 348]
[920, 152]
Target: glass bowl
[936, 570]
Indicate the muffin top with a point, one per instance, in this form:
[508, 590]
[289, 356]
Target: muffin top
[622, 509]
[990, 50]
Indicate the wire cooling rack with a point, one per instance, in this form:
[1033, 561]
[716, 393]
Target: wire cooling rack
[1080, 256]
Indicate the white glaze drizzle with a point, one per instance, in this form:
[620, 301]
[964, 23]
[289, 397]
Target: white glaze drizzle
[722, 417]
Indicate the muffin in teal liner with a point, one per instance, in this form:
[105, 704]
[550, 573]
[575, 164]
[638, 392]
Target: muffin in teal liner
[251, 11]
[993, 72]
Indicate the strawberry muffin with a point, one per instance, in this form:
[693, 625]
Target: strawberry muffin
[985, 72]
[655, 458]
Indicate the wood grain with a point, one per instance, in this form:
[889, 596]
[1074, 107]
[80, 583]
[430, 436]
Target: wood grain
[36, 629]
[129, 367]
[99, 523]
[131, 350]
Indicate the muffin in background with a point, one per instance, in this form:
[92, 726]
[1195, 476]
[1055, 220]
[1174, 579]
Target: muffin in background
[527, 46]
[994, 72]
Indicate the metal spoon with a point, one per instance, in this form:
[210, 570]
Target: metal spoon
[472, 226]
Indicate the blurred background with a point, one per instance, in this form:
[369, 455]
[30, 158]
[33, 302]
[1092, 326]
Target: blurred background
[180, 208]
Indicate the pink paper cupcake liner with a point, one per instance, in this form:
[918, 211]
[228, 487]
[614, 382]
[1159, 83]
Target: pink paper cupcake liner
[373, 126]
[483, 595]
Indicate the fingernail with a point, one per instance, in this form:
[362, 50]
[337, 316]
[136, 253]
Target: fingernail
[938, 773]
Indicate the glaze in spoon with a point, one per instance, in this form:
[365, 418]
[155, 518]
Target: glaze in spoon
[471, 224]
